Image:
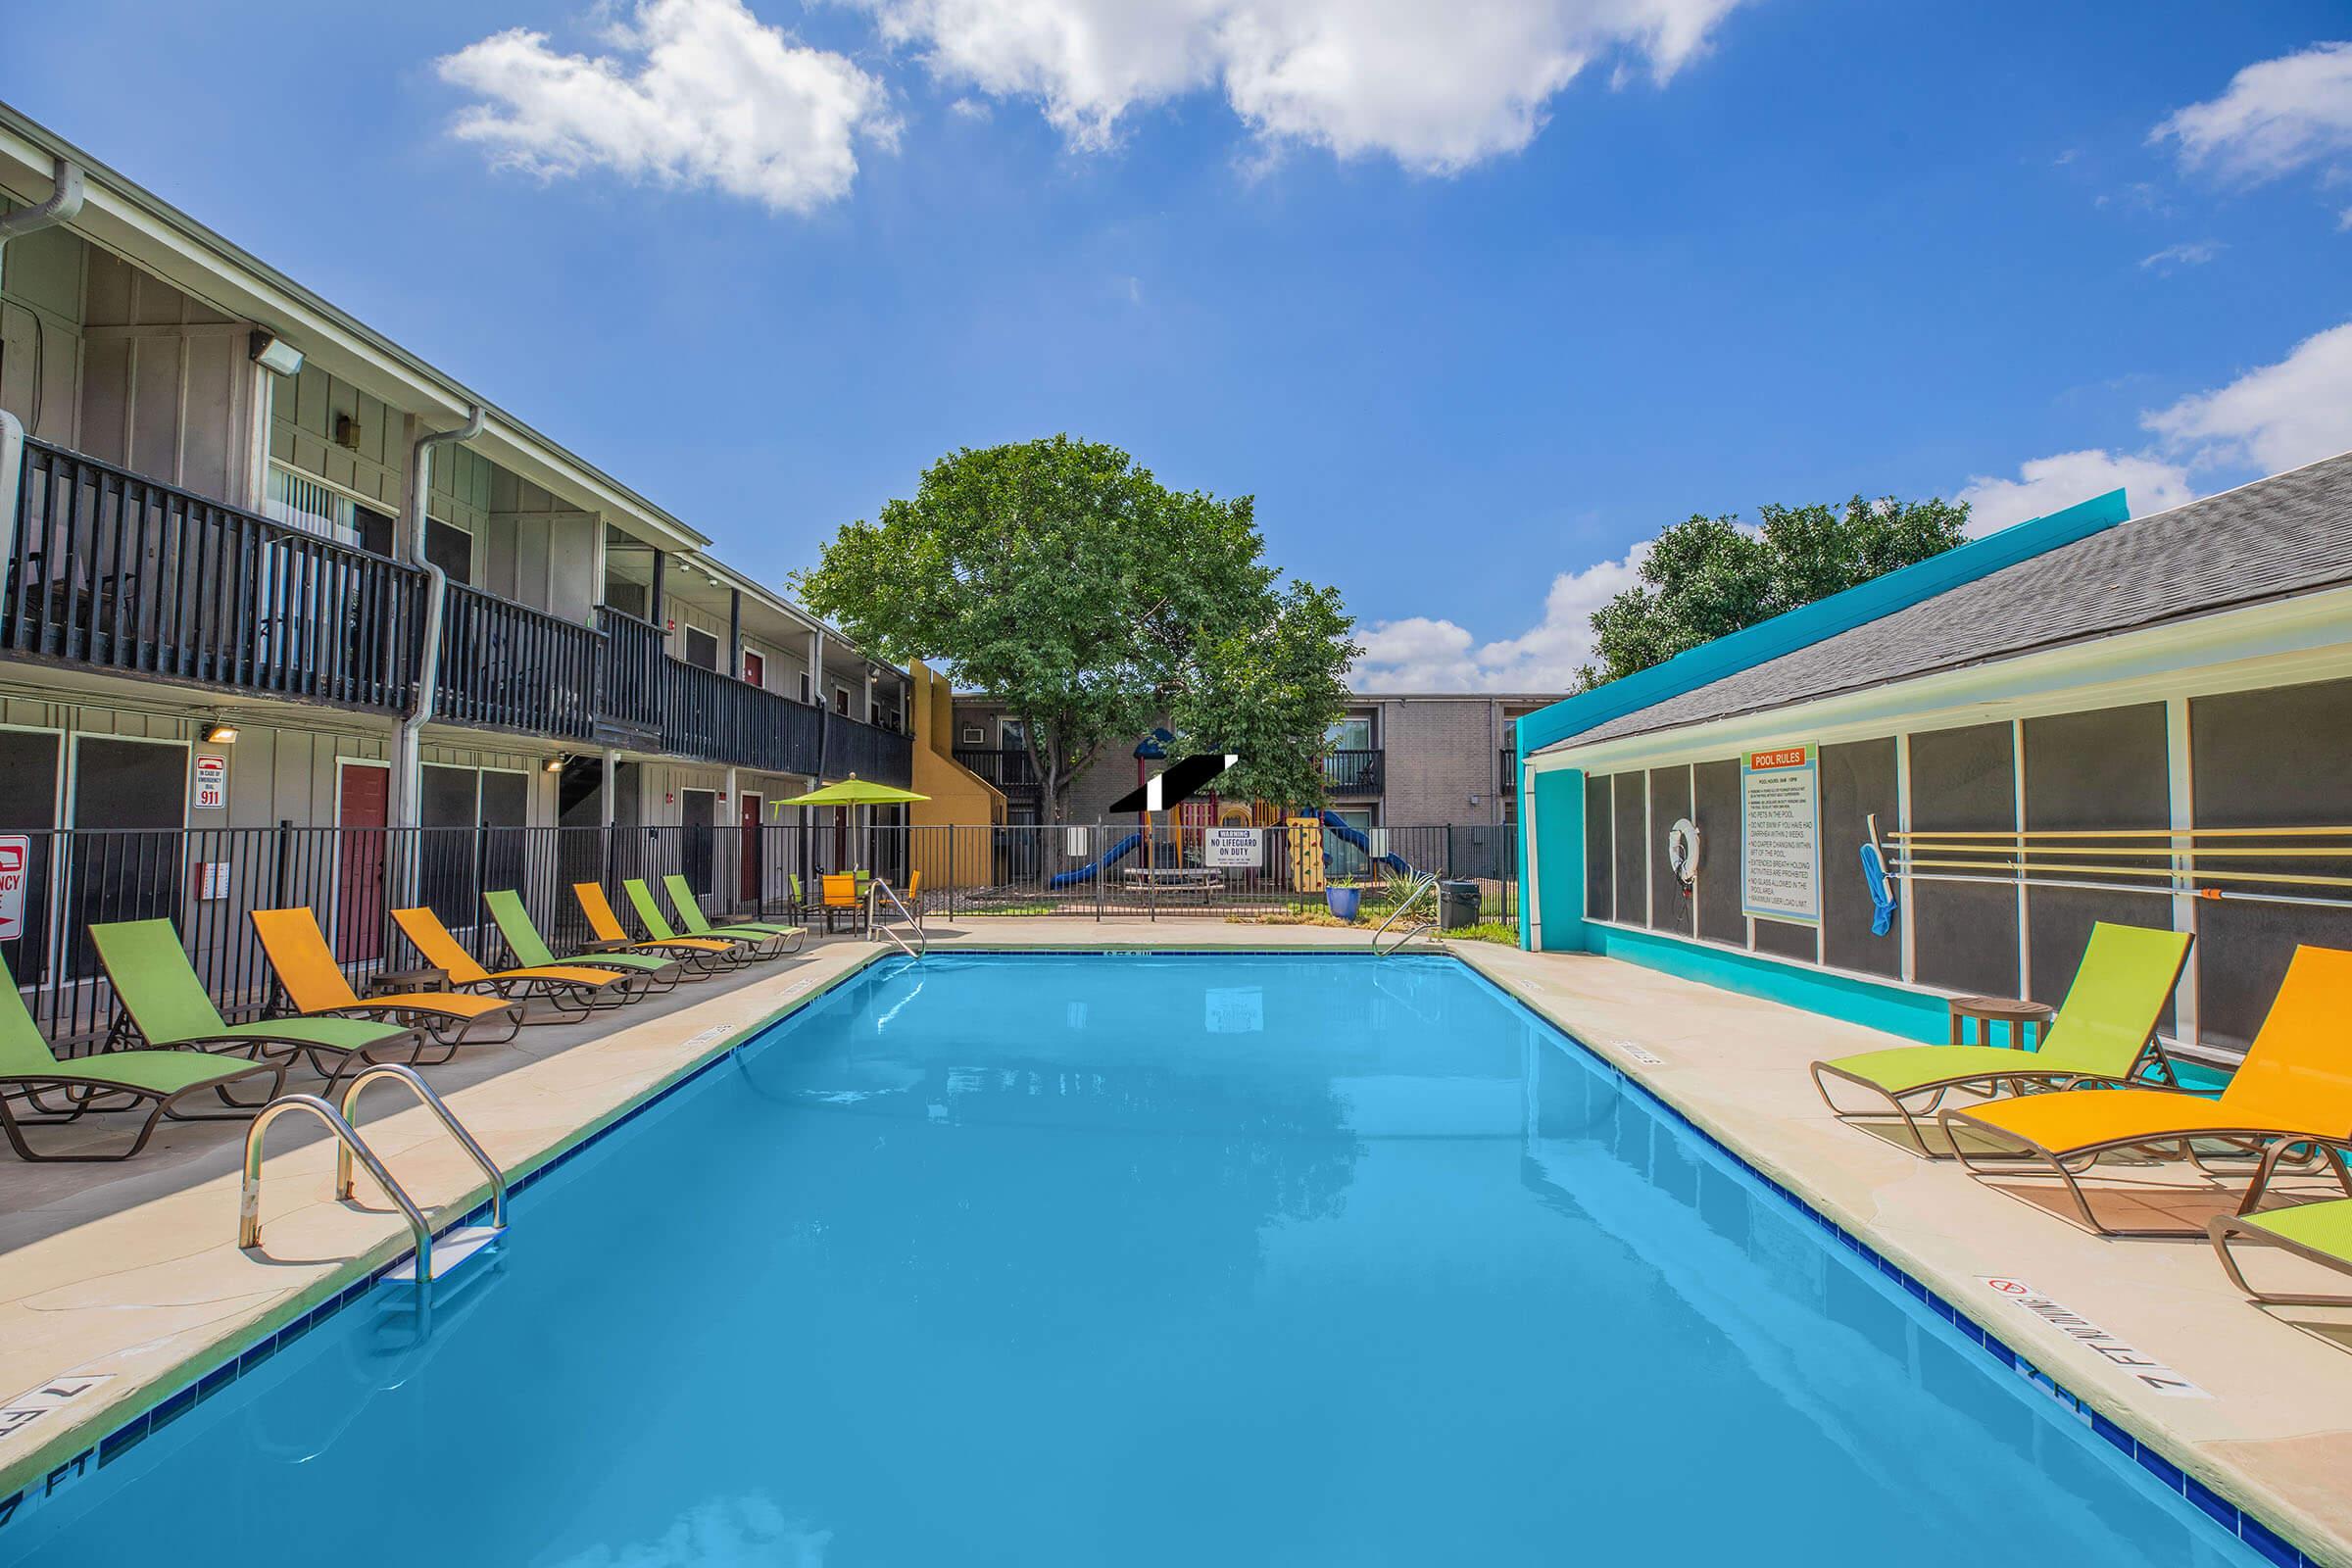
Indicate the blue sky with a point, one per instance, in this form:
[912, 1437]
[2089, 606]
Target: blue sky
[1473, 298]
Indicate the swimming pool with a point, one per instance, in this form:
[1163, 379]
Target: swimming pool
[1136, 1259]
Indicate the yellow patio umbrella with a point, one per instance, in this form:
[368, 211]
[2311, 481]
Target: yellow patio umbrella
[855, 791]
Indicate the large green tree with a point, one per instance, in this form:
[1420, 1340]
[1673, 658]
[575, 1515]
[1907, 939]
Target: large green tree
[1712, 575]
[1067, 581]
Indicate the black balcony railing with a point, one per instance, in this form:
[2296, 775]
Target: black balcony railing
[877, 756]
[118, 572]
[1354, 772]
[1005, 769]
[711, 714]
[629, 676]
[509, 667]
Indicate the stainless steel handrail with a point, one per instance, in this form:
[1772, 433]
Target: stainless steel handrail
[1422, 884]
[249, 1195]
[922, 944]
[431, 1102]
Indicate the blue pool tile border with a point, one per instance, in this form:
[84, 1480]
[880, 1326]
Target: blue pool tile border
[2238, 1523]
[2244, 1527]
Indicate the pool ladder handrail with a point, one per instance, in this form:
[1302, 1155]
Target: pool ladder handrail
[1422, 884]
[876, 886]
[350, 1145]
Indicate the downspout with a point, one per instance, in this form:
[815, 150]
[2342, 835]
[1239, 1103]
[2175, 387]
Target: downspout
[407, 776]
[63, 207]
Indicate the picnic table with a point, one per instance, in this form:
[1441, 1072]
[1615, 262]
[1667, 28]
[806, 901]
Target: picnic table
[1196, 882]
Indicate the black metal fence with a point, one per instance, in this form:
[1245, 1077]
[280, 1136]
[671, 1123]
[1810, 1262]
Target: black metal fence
[56, 884]
[1112, 871]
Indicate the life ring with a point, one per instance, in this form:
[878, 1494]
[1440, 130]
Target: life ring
[1682, 850]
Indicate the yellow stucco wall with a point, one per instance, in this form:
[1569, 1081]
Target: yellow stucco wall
[959, 798]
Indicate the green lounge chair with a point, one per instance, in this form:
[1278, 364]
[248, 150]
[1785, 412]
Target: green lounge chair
[166, 1001]
[697, 924]
[2318, 1233]
[749, 944]
[530, 951]
[2105, 1033]
[112, 1080]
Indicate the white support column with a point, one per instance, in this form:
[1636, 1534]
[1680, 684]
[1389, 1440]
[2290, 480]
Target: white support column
[2024, 918]
[1906, 917]
[260, 401]
[2181, 781]
[612, 760]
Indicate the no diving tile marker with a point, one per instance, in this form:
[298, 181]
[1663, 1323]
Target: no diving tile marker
[37, 1402]
[1645, 1058]
[2138, 1365]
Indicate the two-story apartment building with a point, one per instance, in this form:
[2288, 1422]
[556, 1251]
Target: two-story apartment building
[1397, 759]
[262, 565]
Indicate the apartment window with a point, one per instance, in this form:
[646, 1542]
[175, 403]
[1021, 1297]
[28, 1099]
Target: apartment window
[702, 649]
[1350, 734]
[1014, 737]
[971, 735]
[808, 694]
[449, 548]
[301, 500]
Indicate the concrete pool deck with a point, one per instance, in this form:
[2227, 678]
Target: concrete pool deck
[128, 1274]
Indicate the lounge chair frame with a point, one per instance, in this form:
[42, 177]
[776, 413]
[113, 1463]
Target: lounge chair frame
[82, 1097]
[2269, 1147]
[2223, 1229]
[2152, 1069]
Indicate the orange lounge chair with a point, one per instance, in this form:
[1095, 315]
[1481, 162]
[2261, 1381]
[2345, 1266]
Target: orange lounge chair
[570, 990]
[2293, 1093]
[316, 986]
[707, 953]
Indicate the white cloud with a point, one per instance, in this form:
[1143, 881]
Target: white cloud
[693, 93]
[2174, 257]
[1421, 655]
[2052, 484]
[1439, 88]
[2279, 417]
[2276, 416]
[2276, 117]
[2268, 419]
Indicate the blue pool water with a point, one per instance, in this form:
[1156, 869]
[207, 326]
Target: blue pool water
[1126, 1260]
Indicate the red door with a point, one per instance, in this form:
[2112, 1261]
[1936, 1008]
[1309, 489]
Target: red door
[755, 669]
[365, 795]
[753, 863]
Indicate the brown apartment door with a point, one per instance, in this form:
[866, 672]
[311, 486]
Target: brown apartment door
[748, 819]
[363, 800]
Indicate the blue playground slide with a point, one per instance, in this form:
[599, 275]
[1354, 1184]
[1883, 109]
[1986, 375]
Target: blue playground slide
[1356, 836]
[1087, 874]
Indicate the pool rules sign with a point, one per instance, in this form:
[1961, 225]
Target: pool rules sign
[1779, 835]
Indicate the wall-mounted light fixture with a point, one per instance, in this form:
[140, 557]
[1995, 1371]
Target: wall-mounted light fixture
[220, 732]
[555, 763]
[273, 353]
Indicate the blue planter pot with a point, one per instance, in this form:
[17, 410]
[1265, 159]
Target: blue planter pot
[1343, 901]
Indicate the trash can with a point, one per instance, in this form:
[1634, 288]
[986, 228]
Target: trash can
[1458, 905]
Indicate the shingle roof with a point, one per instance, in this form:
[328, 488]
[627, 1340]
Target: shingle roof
[2288, 534]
